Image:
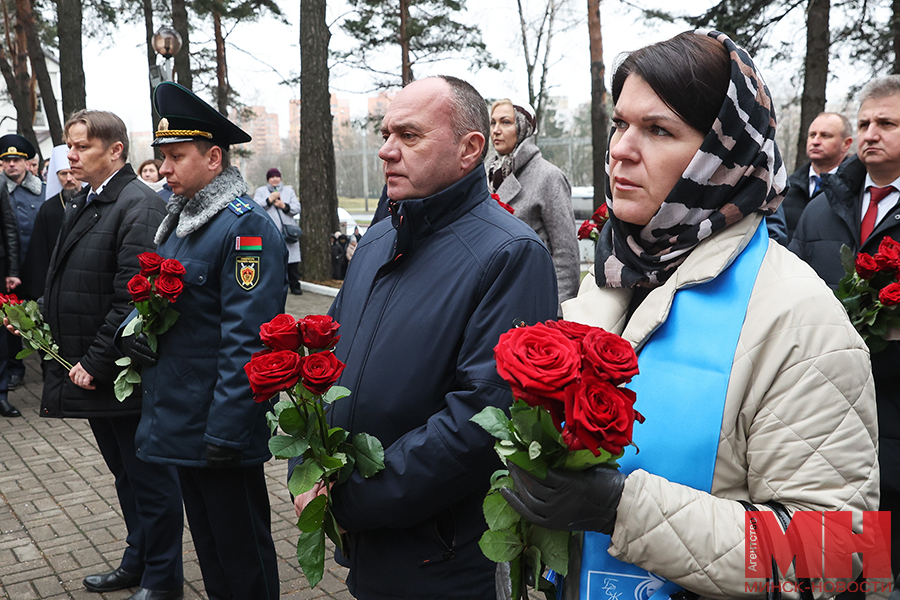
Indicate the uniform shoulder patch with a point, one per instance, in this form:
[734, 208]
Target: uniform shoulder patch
[239, 206]
[246, 271]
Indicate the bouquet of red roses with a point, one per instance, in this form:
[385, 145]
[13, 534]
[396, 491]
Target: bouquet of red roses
[26, 317]
[870, 292]
[153, 291]
[590, 229]
[299, 360]
[569, 412]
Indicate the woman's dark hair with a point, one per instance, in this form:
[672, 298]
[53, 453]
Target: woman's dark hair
[689, 72]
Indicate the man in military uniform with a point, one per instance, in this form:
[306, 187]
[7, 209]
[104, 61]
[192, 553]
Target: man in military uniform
[198, 409]
[26, 194]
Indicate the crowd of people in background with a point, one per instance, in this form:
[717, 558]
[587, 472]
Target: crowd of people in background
[466, 244]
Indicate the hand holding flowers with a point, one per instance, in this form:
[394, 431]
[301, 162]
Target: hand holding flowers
[569, 413]
[153, 291]
[300, 361]
[27, 320]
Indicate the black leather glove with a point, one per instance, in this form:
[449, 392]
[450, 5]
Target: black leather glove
[220, 457]
[568, 500]
[137, 347]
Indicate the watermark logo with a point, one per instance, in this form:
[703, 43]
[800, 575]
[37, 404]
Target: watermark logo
[819, 545]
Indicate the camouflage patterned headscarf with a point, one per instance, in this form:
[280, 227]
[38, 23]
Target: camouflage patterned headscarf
[736, 172]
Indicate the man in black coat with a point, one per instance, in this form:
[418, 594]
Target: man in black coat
[105, 227]
[9, 275]
[858, 207]
[827, 143]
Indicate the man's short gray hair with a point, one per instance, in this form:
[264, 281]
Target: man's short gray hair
[469, 110]
[880, 88]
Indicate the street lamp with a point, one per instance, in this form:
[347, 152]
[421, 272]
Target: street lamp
[167, 43]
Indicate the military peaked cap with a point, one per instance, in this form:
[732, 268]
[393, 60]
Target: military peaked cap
[186, 118]
[13, 144]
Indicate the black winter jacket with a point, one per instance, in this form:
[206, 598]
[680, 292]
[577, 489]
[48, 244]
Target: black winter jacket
[797, 196]
[427, 295]
[831, 220]
[9, 247]
[86, 298]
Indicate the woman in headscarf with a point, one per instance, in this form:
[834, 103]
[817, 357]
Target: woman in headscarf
[756, 388]
[538, 192]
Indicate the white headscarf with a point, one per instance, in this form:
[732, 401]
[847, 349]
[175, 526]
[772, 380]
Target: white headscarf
[58, 162]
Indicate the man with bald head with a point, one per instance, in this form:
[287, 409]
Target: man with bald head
[426, 297]
[827, 143]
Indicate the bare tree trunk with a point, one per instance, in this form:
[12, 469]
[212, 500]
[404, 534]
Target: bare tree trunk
[25, 15]
[815, 77]
[20, 90]
[147, 6]
[71, 66]
[317, 194]
[895, 34]
[406, 66]
[599, 118]
[543, 33]
[221, 69]
[182, 68]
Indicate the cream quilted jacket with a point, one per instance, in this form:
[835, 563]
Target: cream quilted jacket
[799, 425]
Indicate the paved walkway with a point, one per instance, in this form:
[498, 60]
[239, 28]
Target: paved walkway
[59, 516]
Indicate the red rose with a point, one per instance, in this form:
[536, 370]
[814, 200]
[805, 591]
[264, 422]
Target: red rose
[319, 331]
[139, 288]
[168, 286]
[586, 229]
[272, 372]
[866, 265]
[890, 294]
[539, 363]
[13, 299]
[609, 356]
[599, 415]
[572, 330]
[888, 255]
[281, 333]
[150, 262]
[601, 215]
[170, 266]
[319, 371]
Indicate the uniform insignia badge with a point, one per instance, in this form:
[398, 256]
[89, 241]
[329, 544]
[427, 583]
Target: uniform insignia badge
[239, 207]
[246, 271]
[163, 125]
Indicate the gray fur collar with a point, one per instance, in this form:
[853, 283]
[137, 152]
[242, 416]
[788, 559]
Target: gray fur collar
[187, 215]
[30, 183]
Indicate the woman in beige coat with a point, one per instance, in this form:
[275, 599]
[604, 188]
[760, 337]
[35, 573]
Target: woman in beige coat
[685, 272]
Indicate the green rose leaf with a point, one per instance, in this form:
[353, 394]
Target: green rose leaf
[291, 421]
[311, 555]
[534, 450]
[369, 454]
[536, 467]
[124, 361]
[121, 387]
[304, 477]
[287, 446]
[168, 319]
[312, 516]
[25, 352]
[132, 376]
[554, 546]
[335, 392]
[582, 459]
[131, 327]
[532, 557]
[333, 463]
[500, 546]
[494, 421]
[498, 513]
[331, 530]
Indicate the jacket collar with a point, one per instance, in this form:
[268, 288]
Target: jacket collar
[30, 183]
[415, 220]
[843, 189]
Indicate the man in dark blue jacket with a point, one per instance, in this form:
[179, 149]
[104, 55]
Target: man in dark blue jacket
[426, 297]
[198, 411]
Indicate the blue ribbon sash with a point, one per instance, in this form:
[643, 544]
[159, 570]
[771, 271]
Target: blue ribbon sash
[685, 369]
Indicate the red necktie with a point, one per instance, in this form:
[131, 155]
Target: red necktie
[876, 195]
